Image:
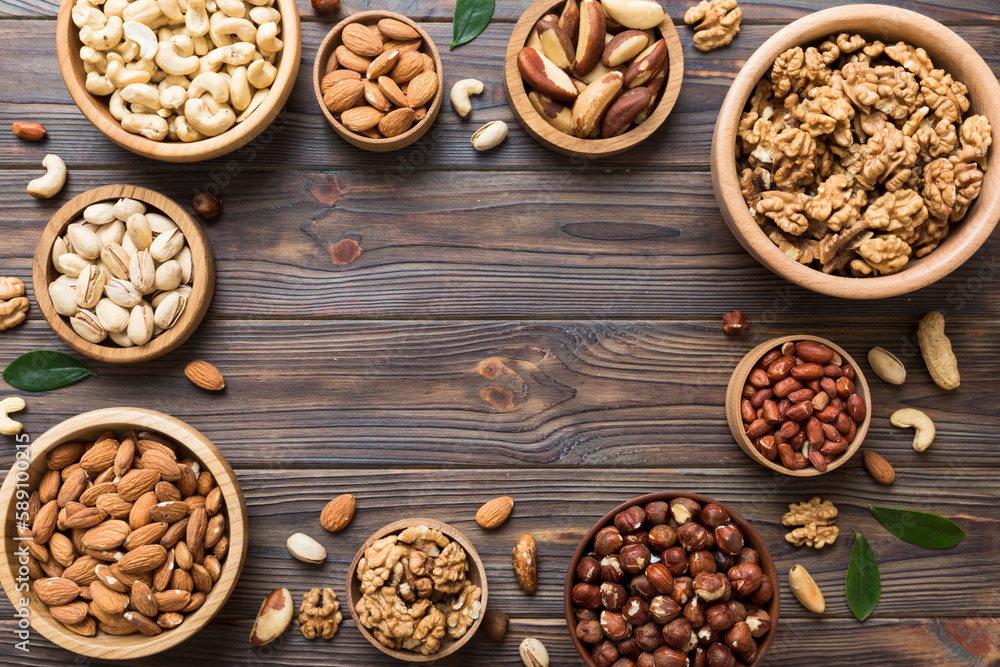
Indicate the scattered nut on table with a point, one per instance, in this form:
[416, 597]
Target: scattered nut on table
[319, 614]
[805, 589]
[305, 548]
[533, 653]
[8, 405]
[460, 93]
[13, 304]
[718, 23]
[921, 423]
[887, 365]
[815, 519]
[490, 135]
[273, 617]
[27, 130]
[338, 513]
[936, 350]
[49, 185]
[493, 513]
[879, 468]
[204, 375]
[735, 323]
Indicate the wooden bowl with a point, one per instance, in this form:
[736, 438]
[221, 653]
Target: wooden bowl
[96, 108]
[90, 425]
[891, 25]
[476, 574]
[386, 144]
[735, 390]
[550, 137]
[202, 280]
[752, 539]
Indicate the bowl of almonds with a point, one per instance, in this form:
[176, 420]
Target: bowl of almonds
[130, 533]
[378, 80]
[123, 274]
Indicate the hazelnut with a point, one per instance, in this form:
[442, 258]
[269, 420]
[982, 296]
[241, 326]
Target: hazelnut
[683, 590]
[630, 519]
[663, 610]
[657, 512]
[701, 561]
[728, 539]
[764, 592]
[588, 570]
[720, 617]
[710, 586]
[589, 632]
[325, 6]
[677, 633]
[699, 657]
[635, 611]
[738, 609]
[623, 662]
[723, 561]
[604, 654]
[747, 555]
[713, 516]
[669, 657]
[206, 205]
[708, 635]
[660, 578]
[745, 578]
[585, 614]
[759, 622]
[694, 537]
[719, 655]
[635, 558]
[614, 626]
[587, 596]
[613, 596]
[645, 660]
[662, 537]
[747, 657]
[676, 560]
[638, 537]
[612, 570]
[683, 509]
[648, 637]
[608, 541]
[630, 648]
[738, 637]
[694, 612]
[640, 586]
[734, 323]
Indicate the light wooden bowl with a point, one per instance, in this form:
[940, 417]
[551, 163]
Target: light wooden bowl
[735, 390]
[476, 574]
[891, 25]
[96, 108]
[752, 539]
[386, 144]
[550, 137]
[90, 425]
[202, 276]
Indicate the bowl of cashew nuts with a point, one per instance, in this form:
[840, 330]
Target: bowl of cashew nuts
[180, 80]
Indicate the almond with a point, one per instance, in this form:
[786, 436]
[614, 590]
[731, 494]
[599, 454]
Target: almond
[166, 492]
[197, 525]
[382, 65]
[879, 468]
[154, 459]
[197, 599]
[62, 550]
[336, 76]
[338, 513]
[360, 40]
[87, 517]
[422, 89]
[64, 455]
[142, 623]
[170, 619]
[107, 535]
[81, 571]
[395, 29]
[142, 599]
[273, 617]
[352, 61]
[205, 375]
[35, 550]
[169, 511]
[172, 600]
[408, 65]
[145, 445]
[201, 578]
[72, 487]
[109, 600]
[344, 95]
[374, 96]
[90, 496]
[215, 530]
[123, 459]
[48, 488]
[392, 91]
[174, 534]
[139, 516]
[396, 122]
[100, 457]
[495, 512]
[181, 580]
[148, 534]
[69, 614]
[45, 522]
[359, 119]
[114, 505]
[161, 577]
[56, 591]
[143, 559]
[135, 483]
[402, 45]
[85, 628]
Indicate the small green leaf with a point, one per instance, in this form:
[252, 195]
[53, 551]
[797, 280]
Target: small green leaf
[924, 530]
[863, 585]
[471, 18]
[42, 370]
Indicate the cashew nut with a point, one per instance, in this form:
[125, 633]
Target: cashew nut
[204, 121]
[267, 38]
[235, 54]
[148, 125]
[116, 105]
[256, 101]
[11, 404]
[143, 11]
[91, 17]
[103, 39]
[262, 15]
[222, 28]
[937, 352]
[460, 93]
[115, 8]
[196, 18]
[921, 423]
[233, 8]
[121, 76]
[141, 93]
[51, 183]
[261, 74]
[185, 132]
[239, 89]
[143, 35]
[213, 83]
[127, 50]
[173, 97]
[171, 10]
[200, 45]
[170, 62]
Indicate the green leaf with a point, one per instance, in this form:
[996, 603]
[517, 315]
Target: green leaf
[863, 585]
[471, 18]
[42, 370]
[924, 530]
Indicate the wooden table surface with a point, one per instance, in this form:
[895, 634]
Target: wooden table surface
[365, 378]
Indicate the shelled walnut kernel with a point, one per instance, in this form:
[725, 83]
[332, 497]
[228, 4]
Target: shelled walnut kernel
[319, 614]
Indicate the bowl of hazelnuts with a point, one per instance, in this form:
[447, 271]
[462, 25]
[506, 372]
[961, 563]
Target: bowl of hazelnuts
[672, 579]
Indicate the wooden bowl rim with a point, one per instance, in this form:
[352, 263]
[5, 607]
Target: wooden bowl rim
[385, 144]
[735, 419]
[96, 110]
[112, 647]
[950, 51]
[203, 275]
[454, 534]
[563, 143]
[749, 532]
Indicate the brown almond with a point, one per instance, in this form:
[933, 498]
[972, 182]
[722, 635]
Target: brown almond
[69, 614]
[124, 457]
[197, 599]
[48, 488]
[395, 29]
[44, 524]
[62, 550]
[213, 567]
[336, 76]
[100, 457]
[422, 89]
[72, 487]
[139, 516]
[402, 45]
[142, 599]
[352, 61]
[205, 483]
[85, 628]
[114, 505]
[879, 468]
[90, 496]
[56, 591]
[392, 91]
[143, 623]
[109, 600]
[181, 580]
[64, 455]
[215, 530]
[382, 65]
[492, 514]
[182, 556]
[360, 40]
[81, 571]
[205, 375]
[143, 559]
[361, 118]
[135, 483]
[197, 525]
[174, 534]
[161, 577]
[201, 578]
[35, 549]
[338, 513]
[375, 97]
[107, 535]
[525, 562]
[408, 65]
[166, 492]
[396, 122]
[155, 459]
[169, 511]
[344, 95]
[148, 534]
[172, 599]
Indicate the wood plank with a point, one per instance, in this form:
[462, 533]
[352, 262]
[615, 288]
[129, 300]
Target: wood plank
[513, 245]
[301, 138]
[594, 394]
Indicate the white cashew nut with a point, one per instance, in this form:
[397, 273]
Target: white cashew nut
[204, 121]
[148, 125]
[91, 17]
[267, 38]
[920, 422]
[142, 93]
[234, 54]
[170, 62]
[183, 45]
[121, 76]
[11, 404]
[196, 18]
[233, 8]
[171, 10]
[213, 83]
[185, 132]
[173, 97]
[256, 101]
[106, 38]
[115, 8]
[143, 11]
[127, 50]
[51, 183]
[143, 36]
[239, 89]
[261, 74]
[116, 105]
[460, 93]
[262, 15]
[224, 27]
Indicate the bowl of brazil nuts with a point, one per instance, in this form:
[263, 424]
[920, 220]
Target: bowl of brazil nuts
[672, 578]
[134, 528]
[123, 274]
[852, 153]
[379, 81]
[799, 405]
[593, 78]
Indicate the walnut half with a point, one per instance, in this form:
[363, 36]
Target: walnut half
[319, 614]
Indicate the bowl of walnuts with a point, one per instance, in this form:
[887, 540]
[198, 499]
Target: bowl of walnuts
[672, 578]
[862, 138]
